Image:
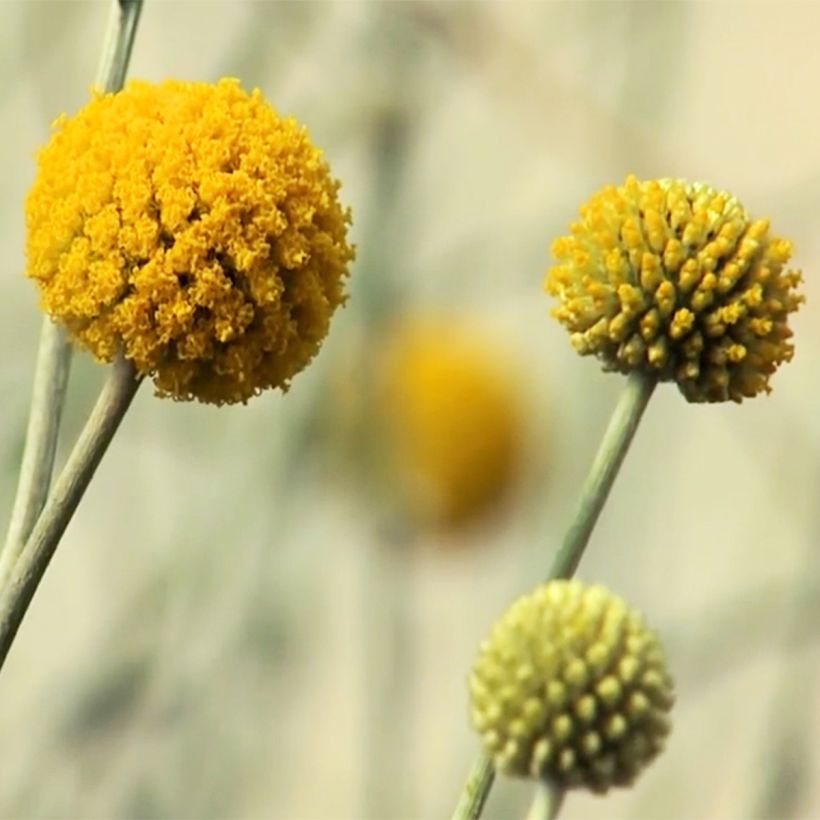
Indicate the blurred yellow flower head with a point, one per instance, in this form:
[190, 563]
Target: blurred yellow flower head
[572, 687]
[676, 279]
[188, 226]
[453, 423]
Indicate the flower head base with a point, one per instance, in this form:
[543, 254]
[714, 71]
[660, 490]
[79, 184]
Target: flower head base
[191, 228]
[676, 279]
[571, 687]
[452, 421]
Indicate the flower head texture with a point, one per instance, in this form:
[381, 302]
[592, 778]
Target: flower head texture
[189, 227]
[571, 686]
[453, 425]
[676, 279]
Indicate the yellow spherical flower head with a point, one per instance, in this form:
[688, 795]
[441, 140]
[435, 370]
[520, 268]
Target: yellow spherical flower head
[453, 424]
[676, 279]
[190, 227]
[571, 687]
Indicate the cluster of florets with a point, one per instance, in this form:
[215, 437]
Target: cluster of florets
[189, 227]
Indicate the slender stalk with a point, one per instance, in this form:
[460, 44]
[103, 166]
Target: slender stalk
[611, 453]
[54, 353]
[47, 399]
[103, 422]
[118, 43]
[546, 802]
[476, 789]
[554, 801]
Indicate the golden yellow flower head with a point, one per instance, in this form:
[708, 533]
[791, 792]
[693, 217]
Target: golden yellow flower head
[452, 420]
[571, 687]
[676, 279]
[190, 227]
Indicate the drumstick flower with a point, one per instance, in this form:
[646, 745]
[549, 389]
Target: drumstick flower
[662, 280]
[190, 227]
[450, 406]
[571, 687]
[676, 279]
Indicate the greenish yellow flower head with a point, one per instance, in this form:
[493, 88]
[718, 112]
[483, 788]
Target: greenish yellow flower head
[452, 417]
[571, 687]
[676, 279]
[190, 227]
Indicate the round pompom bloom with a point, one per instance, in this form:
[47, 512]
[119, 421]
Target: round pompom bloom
[675, 279]
[190, 227]
[571, 687]
[452, 420]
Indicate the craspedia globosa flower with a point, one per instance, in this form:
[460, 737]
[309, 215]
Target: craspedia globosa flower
[189, 227]
[676, 279]
[571, 687]
[449, 405]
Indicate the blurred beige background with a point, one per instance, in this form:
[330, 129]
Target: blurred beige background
[203, 644]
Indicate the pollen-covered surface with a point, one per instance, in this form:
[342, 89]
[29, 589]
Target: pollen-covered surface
[452, 420]
[675, 278]
[572, 687]
[191, 227]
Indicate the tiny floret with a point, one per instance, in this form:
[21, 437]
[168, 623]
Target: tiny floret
[676, 279]
[189, 227]
[571, 687]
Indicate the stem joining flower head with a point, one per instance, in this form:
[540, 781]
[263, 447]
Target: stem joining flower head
[676, 279]
[571, 687]
[192, 228]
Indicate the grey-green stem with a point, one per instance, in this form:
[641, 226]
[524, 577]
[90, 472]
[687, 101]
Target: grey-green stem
[47, 400]
[103, 422]
[604, 470]
[546, 802]
[54, 353]
[118, 44]
[611, 453]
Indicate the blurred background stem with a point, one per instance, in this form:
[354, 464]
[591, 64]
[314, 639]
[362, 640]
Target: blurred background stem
[787, 757]
[54, 353]
[389, 581]
[611, 453]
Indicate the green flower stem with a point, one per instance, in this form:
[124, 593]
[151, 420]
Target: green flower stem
[546, 802]
[476, 789]
[118, 44]
[103, 422]
[611, 452]
[54, 353]
[47, 400]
